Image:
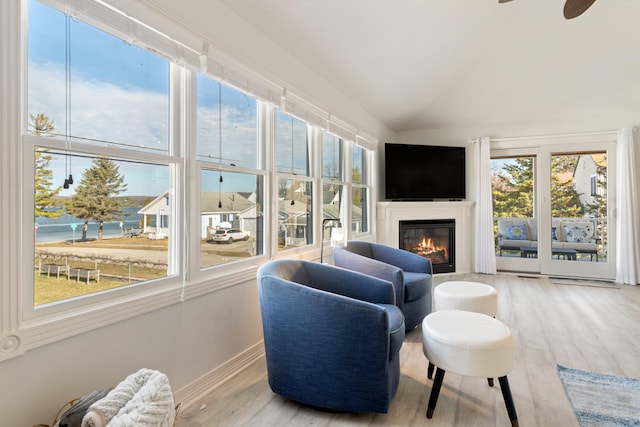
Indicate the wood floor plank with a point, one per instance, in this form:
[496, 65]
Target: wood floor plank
[590, 328]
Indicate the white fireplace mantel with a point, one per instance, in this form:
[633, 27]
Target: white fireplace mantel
[389, 215]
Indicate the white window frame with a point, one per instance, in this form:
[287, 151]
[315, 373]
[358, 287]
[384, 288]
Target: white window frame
[19, 331]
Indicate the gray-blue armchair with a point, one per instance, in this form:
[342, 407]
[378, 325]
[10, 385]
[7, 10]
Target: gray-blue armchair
[410, 274]
[332, 336]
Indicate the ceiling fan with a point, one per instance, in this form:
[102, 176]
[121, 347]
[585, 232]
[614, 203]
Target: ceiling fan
[572, 8]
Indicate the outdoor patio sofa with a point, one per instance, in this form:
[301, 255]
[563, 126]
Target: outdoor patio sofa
[578, 234]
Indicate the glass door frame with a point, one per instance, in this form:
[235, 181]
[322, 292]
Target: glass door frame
[605, 269]
[511, 263]
[541, 149]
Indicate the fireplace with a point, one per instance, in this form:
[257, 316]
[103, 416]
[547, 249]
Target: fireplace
[433, 239]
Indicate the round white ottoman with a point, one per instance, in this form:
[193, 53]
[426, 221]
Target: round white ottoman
[468, 296]
[468, 343]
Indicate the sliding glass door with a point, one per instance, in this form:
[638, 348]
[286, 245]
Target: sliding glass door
[552, 209]
[578, 225]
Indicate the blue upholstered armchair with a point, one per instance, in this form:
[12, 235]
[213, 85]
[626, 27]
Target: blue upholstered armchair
[332, 336]
[410, 274]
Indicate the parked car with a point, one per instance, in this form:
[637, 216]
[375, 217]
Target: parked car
[229, 235]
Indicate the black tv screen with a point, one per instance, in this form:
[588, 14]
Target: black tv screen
[424, 172]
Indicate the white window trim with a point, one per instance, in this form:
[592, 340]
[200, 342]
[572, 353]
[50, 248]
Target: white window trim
[19, 334]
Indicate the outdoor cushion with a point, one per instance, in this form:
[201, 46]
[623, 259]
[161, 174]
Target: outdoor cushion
[578, 233]
[517, 232]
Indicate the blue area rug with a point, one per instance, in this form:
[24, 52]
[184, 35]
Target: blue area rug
[602, 400]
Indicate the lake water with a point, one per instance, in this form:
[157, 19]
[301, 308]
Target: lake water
[59, 229]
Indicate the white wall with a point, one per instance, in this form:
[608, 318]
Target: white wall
[185, 341]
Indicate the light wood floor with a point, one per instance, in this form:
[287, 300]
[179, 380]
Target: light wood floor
[589, 328]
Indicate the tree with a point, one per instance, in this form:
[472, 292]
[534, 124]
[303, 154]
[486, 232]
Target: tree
[45, 195]
[95, 195]
[356, 196]
[565, 200]
[513, 189]
[513, 194]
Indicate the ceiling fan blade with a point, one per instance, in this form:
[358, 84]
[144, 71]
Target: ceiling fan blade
[573, 8]
[503, 1]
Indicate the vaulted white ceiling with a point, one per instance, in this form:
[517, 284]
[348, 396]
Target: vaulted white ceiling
[421, 64]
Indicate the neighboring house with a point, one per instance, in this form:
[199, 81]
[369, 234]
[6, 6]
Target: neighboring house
[228, 210]
[155, 217]
[295, 222]
[218, 210]
[589, 177]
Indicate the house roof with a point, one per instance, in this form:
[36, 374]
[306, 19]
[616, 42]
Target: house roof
[441, 63]
[232, 202]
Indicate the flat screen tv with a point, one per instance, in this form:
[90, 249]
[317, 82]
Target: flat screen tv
[424, 172]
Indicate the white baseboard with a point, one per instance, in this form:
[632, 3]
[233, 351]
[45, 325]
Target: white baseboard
[194, 392]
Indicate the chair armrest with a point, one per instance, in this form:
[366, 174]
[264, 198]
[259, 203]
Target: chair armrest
[352, 284]
[348, 260]
[407, 261]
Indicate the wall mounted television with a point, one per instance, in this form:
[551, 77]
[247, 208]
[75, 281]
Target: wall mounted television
[424, 172]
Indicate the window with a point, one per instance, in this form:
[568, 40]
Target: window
[295, 201]
[227, 124]
[292, 145]
[227, 142]
[140, 185]
[332, 182]
[332, 154]
[361, 190]
[101, 218]
[295, 214]
[230, 200]
[94, 88]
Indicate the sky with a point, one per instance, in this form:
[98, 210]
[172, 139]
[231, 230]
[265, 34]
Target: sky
[119, 94]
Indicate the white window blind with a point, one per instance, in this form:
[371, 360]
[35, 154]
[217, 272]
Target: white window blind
[304, 110]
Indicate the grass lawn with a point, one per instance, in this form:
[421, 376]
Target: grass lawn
[112, 274]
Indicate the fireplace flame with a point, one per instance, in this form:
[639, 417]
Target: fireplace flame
[428, 249]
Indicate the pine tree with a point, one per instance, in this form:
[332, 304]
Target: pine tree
[513, 193]
[45, 195]
[565, 200]
[95, 195]
[513, 189]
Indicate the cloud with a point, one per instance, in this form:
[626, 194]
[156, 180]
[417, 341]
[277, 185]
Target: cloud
[239, 135]
[100, 111]
[105, 113]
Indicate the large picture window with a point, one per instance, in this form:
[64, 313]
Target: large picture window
[147, 168]
[101, 221]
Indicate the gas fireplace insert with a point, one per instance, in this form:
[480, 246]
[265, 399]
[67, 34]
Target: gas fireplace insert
[433, 239]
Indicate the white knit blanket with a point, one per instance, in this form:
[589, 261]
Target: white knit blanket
[142, 399]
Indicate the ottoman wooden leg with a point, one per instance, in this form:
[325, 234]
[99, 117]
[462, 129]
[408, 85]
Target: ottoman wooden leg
[508, 400]
[430, 370]
[490, 381]
[435, 391]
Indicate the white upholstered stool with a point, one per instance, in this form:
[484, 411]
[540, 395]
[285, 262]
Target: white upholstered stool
[468, 296]
[472, 344]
